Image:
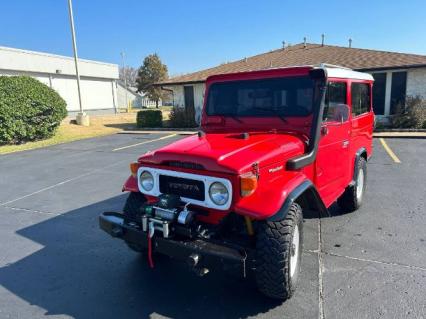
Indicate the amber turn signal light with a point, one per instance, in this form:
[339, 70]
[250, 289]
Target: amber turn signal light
[134, 168]
[248, 184]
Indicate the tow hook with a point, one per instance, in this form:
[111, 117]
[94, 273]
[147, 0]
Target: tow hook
[117, 232]
[201, 271]
[193, 260]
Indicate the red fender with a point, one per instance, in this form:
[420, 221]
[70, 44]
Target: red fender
[131, 185]
[270, 195]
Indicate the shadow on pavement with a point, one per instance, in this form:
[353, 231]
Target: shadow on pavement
[83, 273]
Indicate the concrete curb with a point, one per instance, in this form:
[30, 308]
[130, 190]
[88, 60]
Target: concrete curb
[404, 130]
[388, 134]
[400, 134]
[159, 132]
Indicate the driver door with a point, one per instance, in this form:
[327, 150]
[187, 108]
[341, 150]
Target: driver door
[332, 162]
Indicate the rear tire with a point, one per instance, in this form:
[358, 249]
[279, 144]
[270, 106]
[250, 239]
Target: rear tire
[278, 254]
[132, 213]
[351, 199]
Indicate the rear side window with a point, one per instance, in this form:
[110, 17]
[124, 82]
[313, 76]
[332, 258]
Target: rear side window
[334, 99]
[360, 98]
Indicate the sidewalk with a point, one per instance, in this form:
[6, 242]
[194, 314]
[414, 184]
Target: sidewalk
[400, 134]
[158, 131]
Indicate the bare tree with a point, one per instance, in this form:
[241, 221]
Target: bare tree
[130, 74]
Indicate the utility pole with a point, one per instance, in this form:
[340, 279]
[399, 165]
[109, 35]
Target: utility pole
[82, 118]
[125, 78]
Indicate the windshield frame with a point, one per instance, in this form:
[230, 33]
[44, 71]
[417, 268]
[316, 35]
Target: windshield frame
[272, 112]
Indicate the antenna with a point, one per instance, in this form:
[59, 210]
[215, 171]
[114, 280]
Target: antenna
[304, 42]
[322, 39]
[283, 43]
[350, 42]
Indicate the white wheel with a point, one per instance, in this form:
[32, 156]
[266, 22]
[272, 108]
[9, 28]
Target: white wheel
[360, 185]
[351, 199]
[295, 251]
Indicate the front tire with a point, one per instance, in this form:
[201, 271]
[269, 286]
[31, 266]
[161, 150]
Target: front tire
[351, 199]
[132, 213]
[278, 255]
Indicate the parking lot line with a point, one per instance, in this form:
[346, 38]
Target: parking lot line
[146, 142]
[389, 150]
[62, 183]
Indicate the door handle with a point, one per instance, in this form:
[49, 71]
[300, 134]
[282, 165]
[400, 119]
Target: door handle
[345, 144]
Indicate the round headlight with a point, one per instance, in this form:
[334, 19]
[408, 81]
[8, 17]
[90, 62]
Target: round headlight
[218, 193]
[147, 181]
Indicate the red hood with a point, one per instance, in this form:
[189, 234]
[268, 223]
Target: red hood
[229, 153]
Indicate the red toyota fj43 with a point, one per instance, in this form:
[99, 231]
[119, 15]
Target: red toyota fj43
[273, 144]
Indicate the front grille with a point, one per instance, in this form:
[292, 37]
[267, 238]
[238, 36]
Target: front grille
[188, 165]
[183, 187]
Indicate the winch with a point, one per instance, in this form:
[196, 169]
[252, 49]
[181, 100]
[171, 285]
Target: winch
[166, 215]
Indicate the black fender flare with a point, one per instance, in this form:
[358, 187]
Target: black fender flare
[358, 154]
[306, 187]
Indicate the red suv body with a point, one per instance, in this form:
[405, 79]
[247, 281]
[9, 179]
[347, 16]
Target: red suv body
[272, 143]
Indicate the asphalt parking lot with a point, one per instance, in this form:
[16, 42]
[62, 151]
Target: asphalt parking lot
[55, 262]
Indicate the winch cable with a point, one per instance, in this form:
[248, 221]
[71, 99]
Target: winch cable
[151, 231]
[150, 261]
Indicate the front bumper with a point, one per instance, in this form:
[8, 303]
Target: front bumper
[210, 254]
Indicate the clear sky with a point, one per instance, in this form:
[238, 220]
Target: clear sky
[194, 34]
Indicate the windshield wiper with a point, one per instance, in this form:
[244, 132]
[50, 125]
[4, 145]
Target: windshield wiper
[233, 116]
[282, 118]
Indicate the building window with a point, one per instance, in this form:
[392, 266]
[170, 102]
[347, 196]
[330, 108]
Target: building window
[336, 96]
[399, 87]
[379, 93]
[360, 98]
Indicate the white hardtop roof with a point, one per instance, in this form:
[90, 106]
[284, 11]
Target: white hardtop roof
[337, 71]
[348, 74]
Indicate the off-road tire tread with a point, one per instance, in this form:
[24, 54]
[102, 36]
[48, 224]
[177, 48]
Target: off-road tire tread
[272, 254]
[348, 200]
[131, 213]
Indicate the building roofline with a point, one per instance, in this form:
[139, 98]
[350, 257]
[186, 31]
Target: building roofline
[179, 83]
[397, 67]
[201, 75]
[2, 48]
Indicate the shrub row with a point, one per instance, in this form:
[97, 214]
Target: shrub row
[411, 115]
[29, 110]
[182, 117]
[149, 118]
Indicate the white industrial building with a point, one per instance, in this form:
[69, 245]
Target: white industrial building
[98, 79]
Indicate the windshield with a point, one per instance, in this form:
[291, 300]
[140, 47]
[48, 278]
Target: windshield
[289, 96]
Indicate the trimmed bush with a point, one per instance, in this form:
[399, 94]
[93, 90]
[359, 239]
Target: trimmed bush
[182, 117]
[149, 118]
[29, 110]
[411, 115]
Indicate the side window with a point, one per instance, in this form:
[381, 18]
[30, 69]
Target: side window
[335, 102]
[360, 98]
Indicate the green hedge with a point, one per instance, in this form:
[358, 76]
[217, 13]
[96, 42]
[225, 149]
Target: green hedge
[149, 118]
[182, 117]
[29, 110]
